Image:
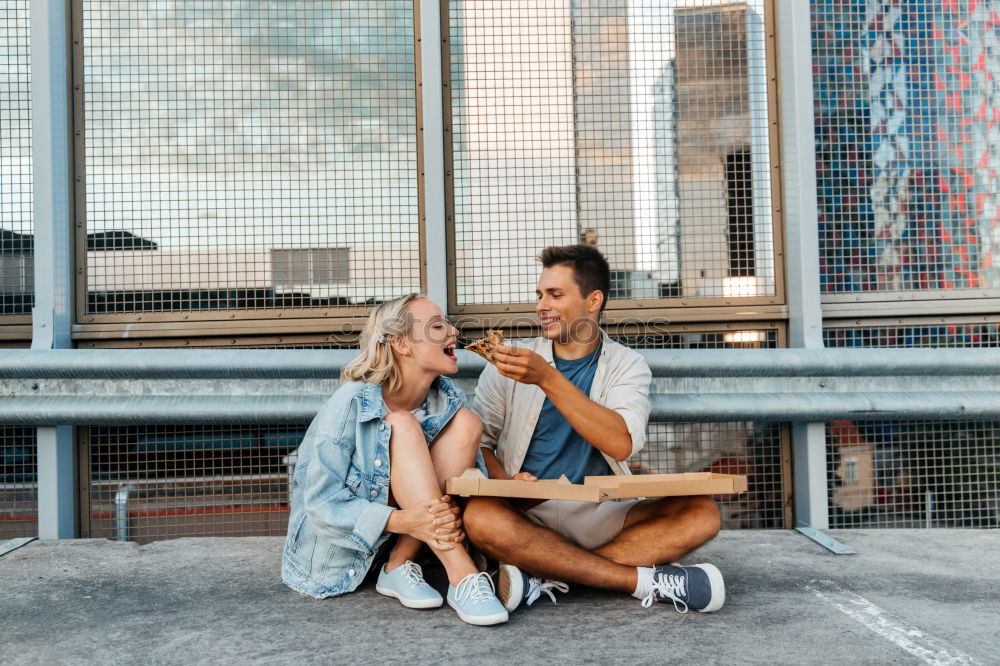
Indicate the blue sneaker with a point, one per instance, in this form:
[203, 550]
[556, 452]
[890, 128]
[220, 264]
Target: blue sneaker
[406, 583]
[699, 586]
[514, 587]
[475, 601]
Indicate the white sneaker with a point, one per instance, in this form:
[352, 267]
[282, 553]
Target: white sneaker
[514, 587]
[699, 586]
[475, 601]
[406, 583]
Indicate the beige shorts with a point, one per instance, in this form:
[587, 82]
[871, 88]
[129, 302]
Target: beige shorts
[589, 525]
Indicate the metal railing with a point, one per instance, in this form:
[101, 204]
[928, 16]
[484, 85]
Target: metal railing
[133, 387]
[49, 388]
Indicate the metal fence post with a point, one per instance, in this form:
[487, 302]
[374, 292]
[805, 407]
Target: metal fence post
[802, 243]
[433, 137]
[53, 191]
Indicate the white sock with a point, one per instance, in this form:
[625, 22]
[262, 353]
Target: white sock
[644, 584]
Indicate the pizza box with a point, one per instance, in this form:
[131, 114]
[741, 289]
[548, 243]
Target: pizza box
[473, 482]
[669, 485]
[598, 488]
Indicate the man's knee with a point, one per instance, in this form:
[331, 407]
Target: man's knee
[486, 520]
[704, 512]
[699, 512]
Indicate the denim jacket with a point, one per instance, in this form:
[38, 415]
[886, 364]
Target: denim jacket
[341, 485]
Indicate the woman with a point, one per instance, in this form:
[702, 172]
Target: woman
[373, 463]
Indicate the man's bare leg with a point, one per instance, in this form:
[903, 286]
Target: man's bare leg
[656, 532]
[663, 530]
[505, 533]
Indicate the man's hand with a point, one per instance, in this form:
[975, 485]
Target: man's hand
[604, 428]
[522, 365]
[525, 504]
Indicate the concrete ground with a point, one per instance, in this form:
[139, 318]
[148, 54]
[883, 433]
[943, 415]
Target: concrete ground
[907, 597]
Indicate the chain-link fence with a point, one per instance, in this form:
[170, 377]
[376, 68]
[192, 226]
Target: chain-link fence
[332, 341]
[914, 474]
[256, 158]
[637, 126]
[940, 332]
[18, 482]
[261, 161]
[151, 482]
[16, 225]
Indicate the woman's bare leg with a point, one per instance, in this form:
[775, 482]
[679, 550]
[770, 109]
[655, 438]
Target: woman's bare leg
[413, 480]
[405, 548]
[452, 452]
[454, 449]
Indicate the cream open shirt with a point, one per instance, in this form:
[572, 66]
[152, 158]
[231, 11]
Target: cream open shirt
[510, 409]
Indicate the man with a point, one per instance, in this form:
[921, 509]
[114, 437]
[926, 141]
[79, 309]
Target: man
[575, 402]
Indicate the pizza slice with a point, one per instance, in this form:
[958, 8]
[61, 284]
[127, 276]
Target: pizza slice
[486, 346]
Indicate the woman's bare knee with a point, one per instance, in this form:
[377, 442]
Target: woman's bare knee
[467, 427]
[455, 449]
[401, 419]
[405, 427]
[469, 417]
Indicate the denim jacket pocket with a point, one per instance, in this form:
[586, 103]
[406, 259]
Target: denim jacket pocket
[300, 546]
[295, 534]
[354, 480]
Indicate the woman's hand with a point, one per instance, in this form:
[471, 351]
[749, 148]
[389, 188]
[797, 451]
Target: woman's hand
[524, 476]
[436, 522]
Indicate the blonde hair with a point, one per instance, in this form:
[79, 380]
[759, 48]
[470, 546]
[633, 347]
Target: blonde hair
[376, 363]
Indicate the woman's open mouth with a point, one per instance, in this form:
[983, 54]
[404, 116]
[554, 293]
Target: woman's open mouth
[449, 351]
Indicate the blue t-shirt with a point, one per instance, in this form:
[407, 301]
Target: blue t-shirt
[556, 448]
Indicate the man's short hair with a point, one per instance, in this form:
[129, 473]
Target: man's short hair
[590, 269]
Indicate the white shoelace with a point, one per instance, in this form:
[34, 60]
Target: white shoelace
[413, 573]
[536, 587]
[476, 587]
[670, 587]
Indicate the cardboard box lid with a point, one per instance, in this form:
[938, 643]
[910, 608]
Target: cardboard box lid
[599, 488]
[473, 483]
[669, 485]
